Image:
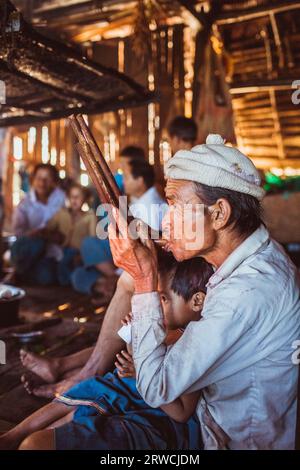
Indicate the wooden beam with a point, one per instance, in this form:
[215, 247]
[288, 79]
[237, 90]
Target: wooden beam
[93, 108]
[277, 125]
[261, 85]
[265, 162]
[199, 15]
[201, 41]
[257, 12]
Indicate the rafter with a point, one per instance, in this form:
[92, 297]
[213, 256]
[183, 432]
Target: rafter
[257, 12]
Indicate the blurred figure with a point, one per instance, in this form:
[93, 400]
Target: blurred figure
[182, 133]
[131, 152]
[28, 254]
[139, 180]
[43, 200]
[70, 226]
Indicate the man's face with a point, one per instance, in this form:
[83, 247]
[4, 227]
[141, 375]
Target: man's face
[43, 183]
[133, 186]
[177, 312]
[187, 225]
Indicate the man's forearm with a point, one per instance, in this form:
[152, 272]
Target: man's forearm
[109, 342]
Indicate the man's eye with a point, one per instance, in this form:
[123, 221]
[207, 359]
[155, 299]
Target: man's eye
[163, 298]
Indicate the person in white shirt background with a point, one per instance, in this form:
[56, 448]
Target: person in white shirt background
[147, 204]
[44, 199]
[41, 203]
[240, 354]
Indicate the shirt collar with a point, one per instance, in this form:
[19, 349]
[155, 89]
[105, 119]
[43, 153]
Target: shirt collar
[147, 196]
[33, 198]
[32, 195]
[251, 245]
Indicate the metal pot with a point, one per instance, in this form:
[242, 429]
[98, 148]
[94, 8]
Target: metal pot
[9, 307]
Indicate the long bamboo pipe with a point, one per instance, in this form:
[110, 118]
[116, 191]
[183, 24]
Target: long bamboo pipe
[99, 170]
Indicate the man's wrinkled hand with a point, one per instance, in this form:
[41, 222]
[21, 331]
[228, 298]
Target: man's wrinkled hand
[137, 257]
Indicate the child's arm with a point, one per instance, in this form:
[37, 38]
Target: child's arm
[124, 362]
[183, 407]
[180, 409]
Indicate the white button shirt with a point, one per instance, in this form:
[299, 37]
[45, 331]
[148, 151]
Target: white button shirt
[150, 208]
[31, 214]
[239, 354]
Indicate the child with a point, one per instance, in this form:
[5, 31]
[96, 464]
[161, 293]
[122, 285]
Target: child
[108, 412]
[68, 228]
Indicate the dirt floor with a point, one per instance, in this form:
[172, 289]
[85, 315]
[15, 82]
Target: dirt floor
[73, 324]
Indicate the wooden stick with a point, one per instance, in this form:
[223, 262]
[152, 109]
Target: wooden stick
[96, 175]
[98, 169]
[99, 157]
[97, 183]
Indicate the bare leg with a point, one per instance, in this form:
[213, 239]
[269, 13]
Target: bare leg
[35, 422]
[40, 440]
[72, 372]
[64, 420]
[50, 369]
[103, 289]
[107, 268]
[108, 344]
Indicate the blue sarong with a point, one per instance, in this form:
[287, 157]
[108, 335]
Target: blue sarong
[111, 415]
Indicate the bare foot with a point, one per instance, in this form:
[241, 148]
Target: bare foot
[47, 391]
[46, 368]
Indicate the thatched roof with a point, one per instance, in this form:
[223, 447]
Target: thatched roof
[260, 40]
[46, 79]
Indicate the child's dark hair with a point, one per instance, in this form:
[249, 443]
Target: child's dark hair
[187, 277]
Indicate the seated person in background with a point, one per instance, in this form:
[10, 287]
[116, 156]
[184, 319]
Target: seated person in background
[131, 152]
[31, 215]
[182, 133]
[43, 201]
[72, 225]
[107, 412]
[148, 206]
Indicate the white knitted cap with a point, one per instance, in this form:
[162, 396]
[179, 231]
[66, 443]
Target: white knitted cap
[218, 165]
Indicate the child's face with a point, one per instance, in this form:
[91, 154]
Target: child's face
[178, 312]
[76, 199]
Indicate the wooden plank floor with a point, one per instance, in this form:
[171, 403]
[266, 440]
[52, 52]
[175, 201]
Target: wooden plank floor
[79, 327]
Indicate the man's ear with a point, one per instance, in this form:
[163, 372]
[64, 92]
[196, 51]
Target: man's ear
[197, 301]
[220, 213]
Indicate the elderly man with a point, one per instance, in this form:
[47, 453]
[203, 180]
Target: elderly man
[240, 353]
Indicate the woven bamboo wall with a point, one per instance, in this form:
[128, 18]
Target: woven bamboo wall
[264, 54]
